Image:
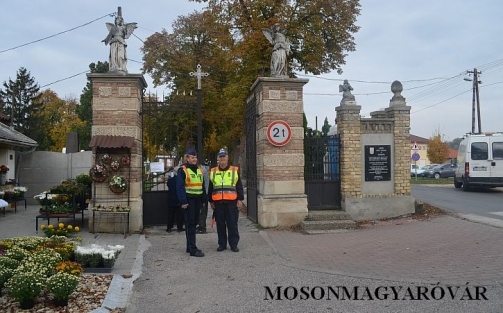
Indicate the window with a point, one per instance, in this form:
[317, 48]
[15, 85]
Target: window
[479, 151]
[498, 150]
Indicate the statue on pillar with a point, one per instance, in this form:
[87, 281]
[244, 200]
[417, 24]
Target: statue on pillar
[280, 50]
[117, 35]
[346, 89]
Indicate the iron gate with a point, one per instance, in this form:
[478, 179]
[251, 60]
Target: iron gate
[321, 172]
[251, 159]
[155, 193]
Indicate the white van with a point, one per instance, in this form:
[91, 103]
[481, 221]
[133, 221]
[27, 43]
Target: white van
[480, 161]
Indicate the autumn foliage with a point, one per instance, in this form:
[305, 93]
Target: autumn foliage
[438, 150]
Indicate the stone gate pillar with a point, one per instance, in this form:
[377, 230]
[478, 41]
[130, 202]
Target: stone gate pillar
[280, 170]
[117, 106]
[348, 127]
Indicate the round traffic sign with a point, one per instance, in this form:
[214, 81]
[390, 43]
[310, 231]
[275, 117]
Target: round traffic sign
[279, 133]
[415, 156]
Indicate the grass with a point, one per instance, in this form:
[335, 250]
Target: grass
[424, 180]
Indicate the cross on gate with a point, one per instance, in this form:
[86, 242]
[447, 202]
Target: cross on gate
[199, 75]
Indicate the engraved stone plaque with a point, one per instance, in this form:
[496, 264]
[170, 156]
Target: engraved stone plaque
[378, 163]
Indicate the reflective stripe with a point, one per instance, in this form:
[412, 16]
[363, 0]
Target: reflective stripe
[193, 185]
[225, 189]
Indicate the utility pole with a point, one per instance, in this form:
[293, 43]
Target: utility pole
[475, 98]
[199, 75]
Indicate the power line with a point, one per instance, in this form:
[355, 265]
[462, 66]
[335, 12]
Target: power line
[60, 80]
[66, 31]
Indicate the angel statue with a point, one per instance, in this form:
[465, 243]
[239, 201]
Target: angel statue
[346, 89]
[281, 48]
[117, 35]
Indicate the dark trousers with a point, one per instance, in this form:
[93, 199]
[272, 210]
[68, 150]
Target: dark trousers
[191, 220]
[226, 216]
[175, 215]
[203, 215]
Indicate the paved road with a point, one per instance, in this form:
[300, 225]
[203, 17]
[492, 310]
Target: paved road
[481, 205]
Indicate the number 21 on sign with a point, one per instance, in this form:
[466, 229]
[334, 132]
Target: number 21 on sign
[279, 133]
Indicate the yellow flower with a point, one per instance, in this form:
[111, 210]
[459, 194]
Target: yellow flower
[77, 228]
[42, 227]
[50, 226]
[69, 227]
[61, 225]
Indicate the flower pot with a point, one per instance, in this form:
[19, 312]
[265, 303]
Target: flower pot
[27, 304]
[3, 178]
[60, 303]
[116, 190]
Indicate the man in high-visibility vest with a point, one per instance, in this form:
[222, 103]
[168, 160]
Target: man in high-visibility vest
[225, 195]
[191, 195]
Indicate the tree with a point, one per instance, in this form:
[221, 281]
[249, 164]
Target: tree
[170, 57]
[85, 108]
[454, 144]
[438, 149]
[325, 129]
[321, 32]
[227, 40]
[57, 118]
[18, 97]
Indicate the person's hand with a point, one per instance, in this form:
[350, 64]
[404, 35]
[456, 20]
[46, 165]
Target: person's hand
[184, 206]
[240, 204]
[212, 205]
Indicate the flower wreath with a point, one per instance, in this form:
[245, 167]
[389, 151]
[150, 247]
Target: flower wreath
[98, 173]
[106, 158]
[126, 160]
[118, 184]
[115, 165]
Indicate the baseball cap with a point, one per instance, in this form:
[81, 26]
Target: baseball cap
[191, 152]
[222, 152]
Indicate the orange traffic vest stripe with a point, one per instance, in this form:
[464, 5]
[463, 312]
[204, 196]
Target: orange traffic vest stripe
[194, 186]
[225, 189]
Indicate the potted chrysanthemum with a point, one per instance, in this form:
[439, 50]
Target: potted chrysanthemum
[24, 287]
[61, 286]
[59, 230]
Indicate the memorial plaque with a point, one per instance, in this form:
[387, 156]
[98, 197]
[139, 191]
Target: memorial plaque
[378, 163]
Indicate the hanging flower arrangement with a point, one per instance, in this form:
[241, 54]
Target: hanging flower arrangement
[98, 173]
[106, 158]
[115, 165]
[118, 184]
[126, 160]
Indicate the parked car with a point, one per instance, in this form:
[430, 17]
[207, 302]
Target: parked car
[442, 171]
[415, 169]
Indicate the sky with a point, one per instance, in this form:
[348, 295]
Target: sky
[428, 45]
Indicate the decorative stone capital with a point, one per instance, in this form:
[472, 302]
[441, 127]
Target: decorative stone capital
[398, 99]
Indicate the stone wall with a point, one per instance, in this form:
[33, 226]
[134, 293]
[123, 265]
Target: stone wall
[375, 199]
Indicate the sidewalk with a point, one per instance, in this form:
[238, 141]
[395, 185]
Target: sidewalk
[161, 277]
[416, 254]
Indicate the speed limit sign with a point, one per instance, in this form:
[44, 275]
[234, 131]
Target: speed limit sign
[279, 133]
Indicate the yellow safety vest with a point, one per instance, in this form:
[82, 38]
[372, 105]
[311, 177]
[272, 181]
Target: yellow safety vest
[224, 183]
[193, 181]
